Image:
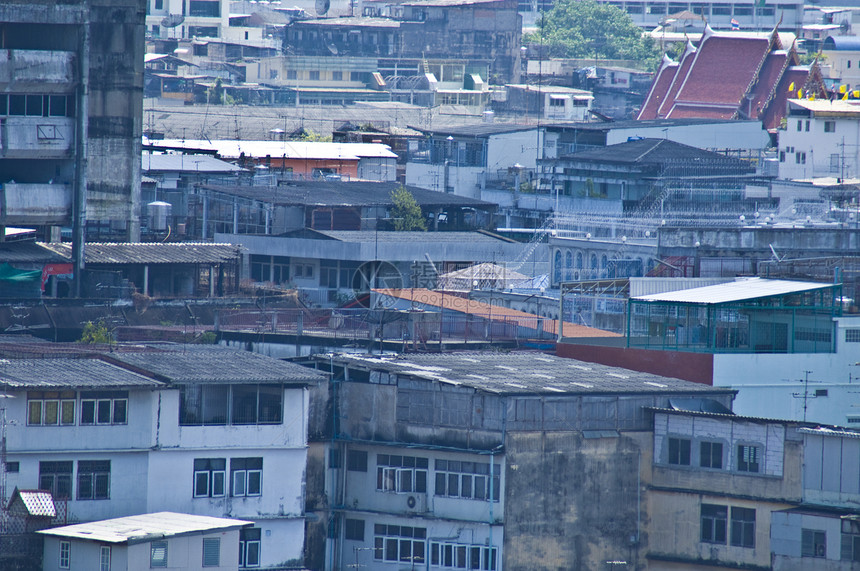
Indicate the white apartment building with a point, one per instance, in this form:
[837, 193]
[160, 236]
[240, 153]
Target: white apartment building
[211, 432]
[820, 139]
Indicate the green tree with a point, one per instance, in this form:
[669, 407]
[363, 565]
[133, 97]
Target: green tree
[406, 213]
[95, 332]
[586, 29]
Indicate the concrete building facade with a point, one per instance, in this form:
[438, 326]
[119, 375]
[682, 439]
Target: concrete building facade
[71, 91]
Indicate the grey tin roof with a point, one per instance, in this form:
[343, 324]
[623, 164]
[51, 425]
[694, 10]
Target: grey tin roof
[150, 253]
[525, 373]
[64, 373]
[392, 236]
[220, 366]
[741, 290]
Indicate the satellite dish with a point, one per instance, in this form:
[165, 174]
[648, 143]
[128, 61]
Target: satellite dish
[332, 48]
[172, 20]
[322, 6]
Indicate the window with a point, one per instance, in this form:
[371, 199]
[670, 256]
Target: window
[204, 8]
[354, 529]
[743, 527]
[679, 451]
[211, 551]
[159, 4]
[356, 461]
[830, 126]
[65, 554]
[748, 458]
[209, 477]
[459, 556]
[807, 125]
[246, 474]
[17, 104]
[337, 76]
[158, 554]
[852, 335]
[94, 479]
[799, 125]
[13, 467]
[402, 474]
[800, 158]
[314, 75]
[47, 408]
[399, 543]
[56, 477]
[249, 547]
[355, 76]
[782, 156]
[104, 558]
[104, 407]
[850, 542]
[471, 480]
[714, 520]
[291, 74]
[711, 455]
[210, 405]
[813, 543]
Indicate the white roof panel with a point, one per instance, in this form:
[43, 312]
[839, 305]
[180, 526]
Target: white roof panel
[232, 149]
[144, 527]
[740, 290]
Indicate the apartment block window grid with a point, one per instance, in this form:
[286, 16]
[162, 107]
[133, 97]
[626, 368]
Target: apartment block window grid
[813, 543]
[714, 521]
[399, 543]
[748, 458]
[56, 477]
[468, 480]
[743, 527]
[462, 556]
[93, 479]
[57, 408]
[226, 405]
[711, 455]
[246, 475]
[401, 474]
[679, 451]
[104, 407]
[210, 476]
[249, 547]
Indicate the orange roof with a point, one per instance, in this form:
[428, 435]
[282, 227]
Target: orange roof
[493, 312]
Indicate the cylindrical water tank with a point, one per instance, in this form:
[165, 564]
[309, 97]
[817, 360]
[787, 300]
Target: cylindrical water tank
[159, 214]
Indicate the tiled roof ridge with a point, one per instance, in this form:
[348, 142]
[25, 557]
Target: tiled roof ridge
[745, 98]
[791, 57]
[664, 66]
[690, 51]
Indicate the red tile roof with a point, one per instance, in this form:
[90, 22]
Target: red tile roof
[724, 69]
[729, 75]
[658, 89]
[680, 76]
[773, 68]
[776, 109]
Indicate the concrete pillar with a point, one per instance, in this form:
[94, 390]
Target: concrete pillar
[205, 229]
[211, 281]
[146, 280]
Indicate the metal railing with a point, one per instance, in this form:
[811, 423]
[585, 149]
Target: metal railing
[390, 325]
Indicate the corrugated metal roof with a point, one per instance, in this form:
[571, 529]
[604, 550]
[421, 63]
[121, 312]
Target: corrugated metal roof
[144, 527]
[150, 253]
[392, 236]
[220, 366]
[741, 290]
[525, 373]
[65, 373]
[20, 252]
[647, 286]
[233, 149]
[161, 162]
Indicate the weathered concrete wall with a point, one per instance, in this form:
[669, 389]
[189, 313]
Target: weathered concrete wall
[574, 503]
[115, 111]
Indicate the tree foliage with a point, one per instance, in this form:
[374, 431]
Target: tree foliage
[586, 29]
[406, 213]
[96, 332]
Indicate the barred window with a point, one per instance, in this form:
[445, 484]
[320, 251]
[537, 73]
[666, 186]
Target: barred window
[470, 480]
[402, 474]
[399, 543]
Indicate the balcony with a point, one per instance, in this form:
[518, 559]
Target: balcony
[37, 137]
[21, 70]
[36, 203]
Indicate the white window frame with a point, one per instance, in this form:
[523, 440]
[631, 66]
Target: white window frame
[212, 476]
[65, 554]
[104, 558]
